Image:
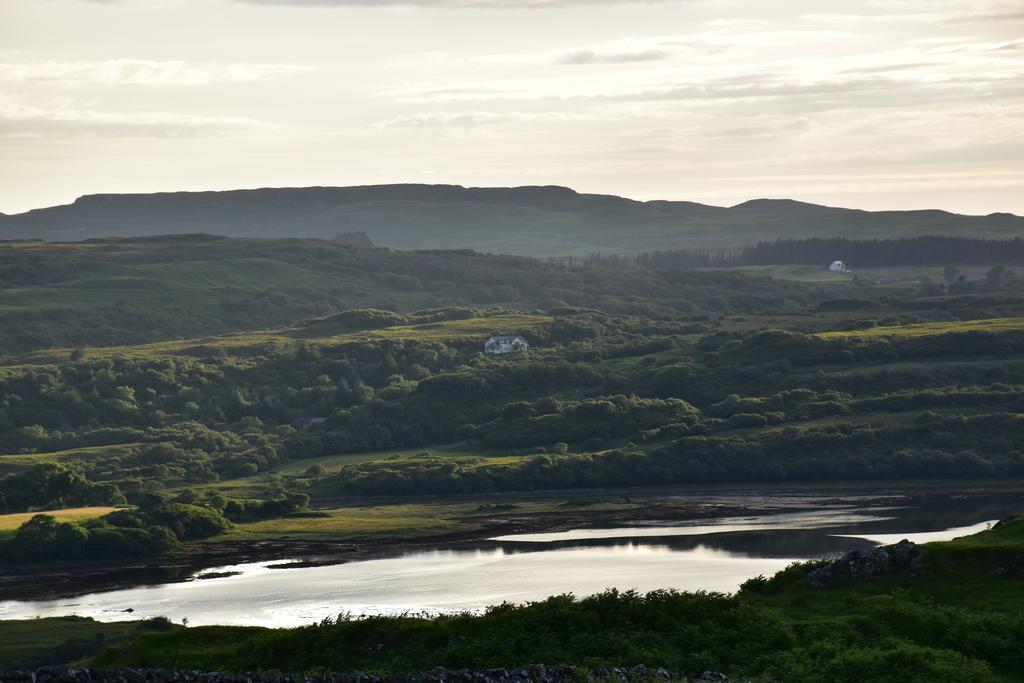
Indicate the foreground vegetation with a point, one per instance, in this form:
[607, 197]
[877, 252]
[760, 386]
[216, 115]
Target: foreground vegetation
[30, 644]
[959, 616]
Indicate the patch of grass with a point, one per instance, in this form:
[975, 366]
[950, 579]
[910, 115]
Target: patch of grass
[13, 521]
[244, 344]
[933, 328]
[16, 462]
[390, 521]
[377, 521]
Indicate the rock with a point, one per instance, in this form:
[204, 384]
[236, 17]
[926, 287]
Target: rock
[18, 677]
[899, 558]
[537, 673]
[903, 553]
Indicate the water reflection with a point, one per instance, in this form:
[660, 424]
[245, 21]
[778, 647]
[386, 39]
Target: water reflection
[793, 520]
[924, 537]
[435, 581]
[714, 555]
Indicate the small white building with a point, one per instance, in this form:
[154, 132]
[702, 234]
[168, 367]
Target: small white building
[506, 343]
[837, 267]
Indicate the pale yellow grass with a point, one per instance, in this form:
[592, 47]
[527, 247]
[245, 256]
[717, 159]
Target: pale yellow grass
[448, 330]
[13, 521]
[926, 329]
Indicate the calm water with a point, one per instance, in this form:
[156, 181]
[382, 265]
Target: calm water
[710, 554]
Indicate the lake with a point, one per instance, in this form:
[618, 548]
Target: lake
[715, 554]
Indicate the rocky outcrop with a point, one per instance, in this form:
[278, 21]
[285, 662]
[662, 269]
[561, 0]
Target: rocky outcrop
[537, 673]
[899, 558]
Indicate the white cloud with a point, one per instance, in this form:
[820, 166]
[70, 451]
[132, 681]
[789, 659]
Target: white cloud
[658, 48]
[141, 72]
[893, 80]
[614, 56]
[718, 67]
[469, 119]
[24, 120]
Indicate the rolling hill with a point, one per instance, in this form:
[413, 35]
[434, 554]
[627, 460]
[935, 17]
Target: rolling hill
[112, 291]
[529, 221]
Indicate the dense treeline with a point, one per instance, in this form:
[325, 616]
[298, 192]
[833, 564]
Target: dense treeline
[908, 251]
[815, 251]
[54, 486]
[933, 445]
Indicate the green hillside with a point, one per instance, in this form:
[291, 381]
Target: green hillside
[130, 291]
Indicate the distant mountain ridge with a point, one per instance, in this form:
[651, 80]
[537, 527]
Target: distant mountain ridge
[530, 220]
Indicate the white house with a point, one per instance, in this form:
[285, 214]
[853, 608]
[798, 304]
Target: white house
[507, 343]
[837, 267]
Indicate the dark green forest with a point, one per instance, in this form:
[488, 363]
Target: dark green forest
[925, 250]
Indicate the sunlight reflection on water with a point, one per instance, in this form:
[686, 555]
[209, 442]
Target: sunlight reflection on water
[714, 555]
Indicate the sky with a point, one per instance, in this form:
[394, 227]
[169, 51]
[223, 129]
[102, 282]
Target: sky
[874, 104]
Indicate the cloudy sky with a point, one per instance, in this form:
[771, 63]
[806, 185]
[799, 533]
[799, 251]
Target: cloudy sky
[865, 103]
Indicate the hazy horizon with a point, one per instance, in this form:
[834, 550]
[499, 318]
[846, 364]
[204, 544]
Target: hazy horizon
[908, 104]
[485, 187]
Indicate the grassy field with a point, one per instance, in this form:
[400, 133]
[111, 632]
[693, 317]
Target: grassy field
[378, 521]
[928, 329]
[13, 521]
[243, 344]
[10, 463]
[59, 640]
[404, 520]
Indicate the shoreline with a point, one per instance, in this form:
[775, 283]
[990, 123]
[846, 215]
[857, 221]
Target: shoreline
[643, 506]
[70, 580]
